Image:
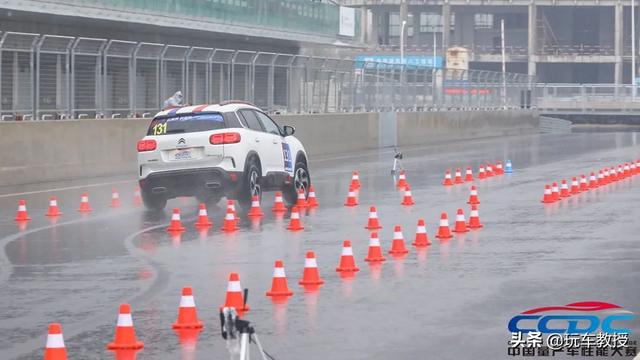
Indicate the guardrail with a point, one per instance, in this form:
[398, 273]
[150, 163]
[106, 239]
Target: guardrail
[586, 98]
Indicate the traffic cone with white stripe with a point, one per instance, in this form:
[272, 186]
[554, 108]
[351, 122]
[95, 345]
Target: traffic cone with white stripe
[53, 207]
[279, 285]
[402, 180]
[187, 314]
[84, 203]
[548, 197]
[407, 199]
[312, 202]
[351, 198]
[55, 349]
[115, 198]
[397, 245]
[473, 196]
[255, 210]
[125, 337]
[231, 204]
[203, 217]
[301, 203]
[355, 180]
[564, 189]
[278, 204]
[176, 223]
[461, 223]
[627, 170]
[310, 275]
[458, 177]
[447, 178]
[375, 252]
[575, 187]
[583, 183]
[499, 169]
[421, 239]
[137, 198]
[613, 176]
[22, 214]
[474, 218]
[489, 170]
[468, 177]
[373, 223]
[230, 224]
[294, 221]
[601, 180]
[555, 193]
[234, 297]
[593, 183]
[444, 232]
[481, 172]
[634, 168]
[347, 262]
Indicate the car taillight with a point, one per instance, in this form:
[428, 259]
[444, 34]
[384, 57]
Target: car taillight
[146, 145]
[224, 138]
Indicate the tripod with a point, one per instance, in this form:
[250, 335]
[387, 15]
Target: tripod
[397, 161]
[239, 347]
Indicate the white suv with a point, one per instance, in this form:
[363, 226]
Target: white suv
[231, 149]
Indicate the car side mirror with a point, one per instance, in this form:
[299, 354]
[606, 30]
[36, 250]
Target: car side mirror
[289, 130]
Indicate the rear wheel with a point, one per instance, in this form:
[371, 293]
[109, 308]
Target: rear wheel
[153, 202]
[251, 185]
[301, 180]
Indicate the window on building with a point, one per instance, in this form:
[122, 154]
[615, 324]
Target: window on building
[432, 22]
[394, 24]
[483, 21]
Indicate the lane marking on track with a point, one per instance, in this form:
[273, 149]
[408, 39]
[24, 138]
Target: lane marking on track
[66, 188]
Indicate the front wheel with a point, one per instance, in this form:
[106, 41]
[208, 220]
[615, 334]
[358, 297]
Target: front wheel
[301, 180]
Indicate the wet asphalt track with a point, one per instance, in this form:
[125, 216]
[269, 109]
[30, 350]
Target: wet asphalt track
[452, 301]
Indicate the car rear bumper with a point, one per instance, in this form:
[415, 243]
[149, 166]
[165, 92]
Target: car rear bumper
[191, 182]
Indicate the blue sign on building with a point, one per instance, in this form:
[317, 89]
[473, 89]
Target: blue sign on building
[393, 61]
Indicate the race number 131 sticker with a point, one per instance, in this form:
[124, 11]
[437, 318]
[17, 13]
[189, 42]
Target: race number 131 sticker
[286, 152]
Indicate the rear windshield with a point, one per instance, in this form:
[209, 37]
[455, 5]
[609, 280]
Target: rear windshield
[186, 123]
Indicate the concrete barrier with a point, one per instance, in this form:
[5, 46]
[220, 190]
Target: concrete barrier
[38, 151]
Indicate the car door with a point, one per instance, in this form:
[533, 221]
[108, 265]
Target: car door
[279, 153]
[258, 139]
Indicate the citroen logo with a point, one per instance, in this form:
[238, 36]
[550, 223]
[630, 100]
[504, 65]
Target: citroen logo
[182, 141]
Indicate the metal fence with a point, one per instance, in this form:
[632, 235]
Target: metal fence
[56, 77]
[587, 99]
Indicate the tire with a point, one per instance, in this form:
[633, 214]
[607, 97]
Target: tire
[154, 202]
[301, 180]
[251, 183]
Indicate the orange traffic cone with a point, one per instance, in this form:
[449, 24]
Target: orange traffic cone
[473, 196]
[310, 275]
[499, 169]
[53, 207]
[231, 204]
[601, 181]
[421, 239]
[397, 245]
[279, 283]
[311, 199]
[481, 173]
[137, 198]
[255, 210]
[301, 203]
[627, 170]
[355, 180]
[230, 223]
[593, 183]
[187, 314]
[612, 174]
[176, 224]
[375, 253]
[115, 198]
[447, 178]
[347, 262]
[351, 198]
[125, 337]
[21, 214]
[564, 189]
[548, 197]
[458, 177]
[474, 218]
[444, 232]
[407, 199]
[55, 350]
[555, 194]
[294, 222]
[234, 297]
[84, 203]
[373, 223]
[489, 170]
[203, 217]
[461, 223]
[278, 203]
[575, 187]
[468, 175]
[583, 182]
[402, 179]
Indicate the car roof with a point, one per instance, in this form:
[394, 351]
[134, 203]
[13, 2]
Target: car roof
[222, 107]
